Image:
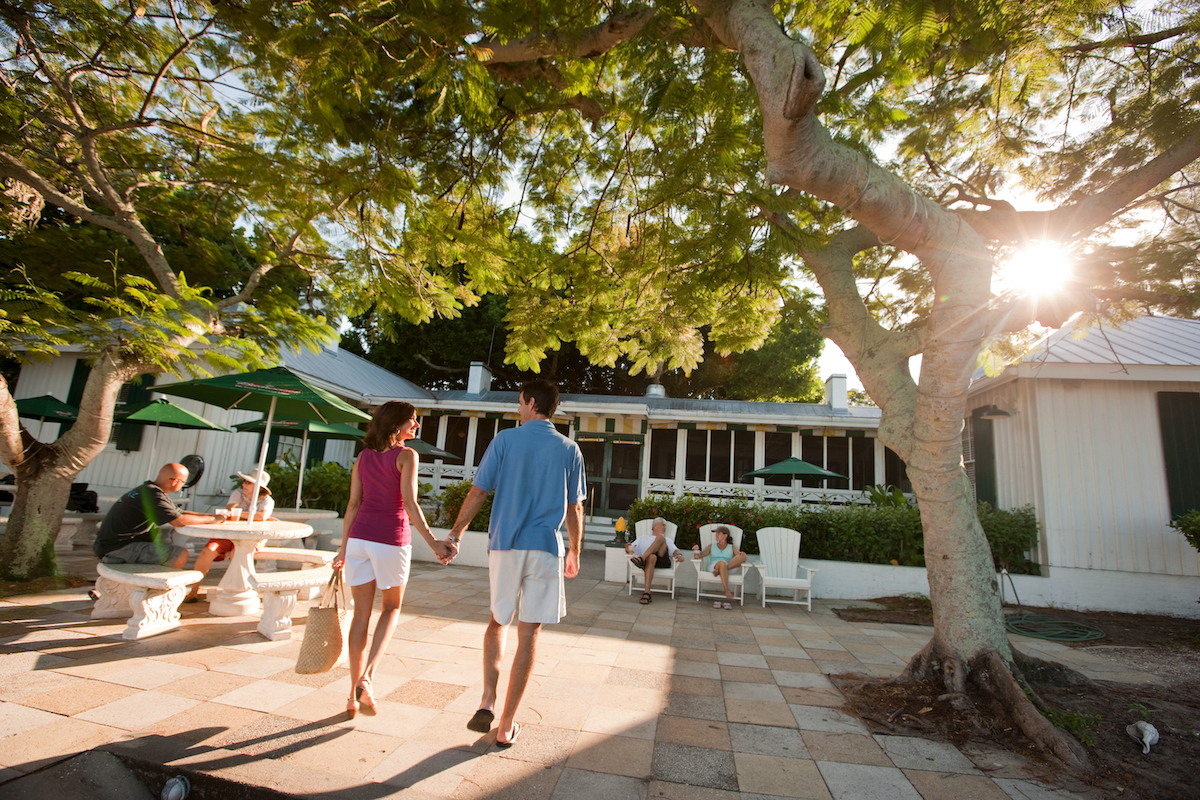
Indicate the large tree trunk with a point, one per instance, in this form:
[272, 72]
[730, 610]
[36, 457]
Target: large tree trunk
[922, 423]
[44, 471]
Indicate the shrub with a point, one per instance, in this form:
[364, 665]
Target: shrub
[326, 484]
[1189, 525]
[877, 534]
[450, 502]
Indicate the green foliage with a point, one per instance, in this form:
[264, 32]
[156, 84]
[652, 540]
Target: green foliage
[1189, 525]
[326, 484]
[889, 495]
[883, 534]
[1074, 723]
[450, 502]
[1141, 711]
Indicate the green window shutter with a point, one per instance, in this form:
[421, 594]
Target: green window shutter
[985, 458]
[1179, 423]
[133, 394]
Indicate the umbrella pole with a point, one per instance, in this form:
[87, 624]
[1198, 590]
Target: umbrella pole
[153, 450]
[262, 457]
[300, 474]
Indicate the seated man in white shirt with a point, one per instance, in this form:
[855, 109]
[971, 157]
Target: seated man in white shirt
[651, 549]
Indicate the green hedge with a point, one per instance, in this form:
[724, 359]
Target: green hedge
[451, 500]
[326, 484]
[864, 534]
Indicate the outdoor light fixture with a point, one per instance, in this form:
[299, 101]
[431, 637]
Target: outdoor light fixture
[995, 412]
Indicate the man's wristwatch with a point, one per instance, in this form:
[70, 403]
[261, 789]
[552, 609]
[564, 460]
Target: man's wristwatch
[453, 538]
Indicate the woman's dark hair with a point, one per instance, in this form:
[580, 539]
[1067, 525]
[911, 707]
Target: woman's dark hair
[544, 395]
[388, 418]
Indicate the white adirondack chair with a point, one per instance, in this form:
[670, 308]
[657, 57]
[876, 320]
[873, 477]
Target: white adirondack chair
[704, 577]
[665, 575]
[780, 549]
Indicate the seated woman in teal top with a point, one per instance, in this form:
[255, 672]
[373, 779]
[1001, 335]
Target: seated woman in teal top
[724, 558]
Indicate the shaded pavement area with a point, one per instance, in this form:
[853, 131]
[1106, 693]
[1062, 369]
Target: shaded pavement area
[673, 699]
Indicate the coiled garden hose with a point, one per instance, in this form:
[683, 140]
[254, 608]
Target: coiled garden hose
[1042, 626]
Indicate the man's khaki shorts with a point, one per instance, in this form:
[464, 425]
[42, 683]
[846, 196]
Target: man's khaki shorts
[531, 580]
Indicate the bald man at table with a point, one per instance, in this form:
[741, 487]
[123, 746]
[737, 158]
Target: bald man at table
[130, 533]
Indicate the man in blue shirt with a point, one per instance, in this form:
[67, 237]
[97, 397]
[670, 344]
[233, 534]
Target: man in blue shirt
[539, 480]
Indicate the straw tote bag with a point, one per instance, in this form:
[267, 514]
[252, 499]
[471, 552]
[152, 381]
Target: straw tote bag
[325, 632]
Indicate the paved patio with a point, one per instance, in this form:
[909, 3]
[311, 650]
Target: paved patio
[670, 700]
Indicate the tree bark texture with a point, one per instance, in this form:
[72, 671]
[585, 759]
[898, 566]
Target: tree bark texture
[44, 471]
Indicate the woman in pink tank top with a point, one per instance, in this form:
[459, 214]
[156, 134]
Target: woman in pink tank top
[376, 539]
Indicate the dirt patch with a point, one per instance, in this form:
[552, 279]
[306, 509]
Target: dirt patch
[48, 584]
[1096, 713]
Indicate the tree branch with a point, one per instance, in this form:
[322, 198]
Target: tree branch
[587, 43]
[1131, 41]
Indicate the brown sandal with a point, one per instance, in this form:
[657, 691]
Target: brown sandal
[645, 598]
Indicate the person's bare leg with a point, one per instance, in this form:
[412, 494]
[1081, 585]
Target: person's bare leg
[723, 573]
[360, 623]
[659, 545]
[204, 562]
[180, 562]
[518, 677]
[737, 561]
[494, 639]
[390, 599]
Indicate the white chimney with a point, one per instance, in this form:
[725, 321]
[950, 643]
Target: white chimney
[656, 390]
[479, 378]
[835, 394]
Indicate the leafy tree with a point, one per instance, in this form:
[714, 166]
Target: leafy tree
[437, 354]
[641, 173]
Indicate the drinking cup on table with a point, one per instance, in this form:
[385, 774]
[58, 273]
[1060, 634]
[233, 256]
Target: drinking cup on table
[235, 514]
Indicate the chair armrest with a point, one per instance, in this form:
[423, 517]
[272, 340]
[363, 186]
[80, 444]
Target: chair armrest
[808, 570]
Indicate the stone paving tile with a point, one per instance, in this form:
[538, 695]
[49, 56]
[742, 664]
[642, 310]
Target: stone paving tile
[954, 786]
[420, 768]
[505, 778]
[428, 694]
[761, 692]
[910, 752]
[697, 766]
[663, 790]
[202, 722]
[694, 732]
[813, 697]
[760, 712]
[747, 675]
[138, 711]
[615, 755]
[355, 755]
[803, 680]
[692, 705]
[41, 746]
[766, 740]
[263, 695]
[76, 697]
[861, 782]
[851, 748]
[787, 777]
[575, 784]
[638, 724]
[728, 659]
[818, 718]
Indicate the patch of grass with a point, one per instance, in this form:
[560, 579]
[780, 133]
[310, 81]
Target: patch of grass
[47, 584]
[1075, 723]
[1141, 711]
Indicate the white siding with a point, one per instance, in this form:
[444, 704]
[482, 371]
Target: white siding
[1103, 499]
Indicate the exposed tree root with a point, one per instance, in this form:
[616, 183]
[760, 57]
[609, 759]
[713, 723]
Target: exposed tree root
[988, 674]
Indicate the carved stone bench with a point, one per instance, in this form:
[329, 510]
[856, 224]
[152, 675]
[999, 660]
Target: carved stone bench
[84, 533]
[148, 594]
[280, 590]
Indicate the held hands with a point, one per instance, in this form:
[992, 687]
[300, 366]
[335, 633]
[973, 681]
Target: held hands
[679, 555]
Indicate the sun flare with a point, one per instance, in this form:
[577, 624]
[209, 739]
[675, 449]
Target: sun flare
[1040, 268]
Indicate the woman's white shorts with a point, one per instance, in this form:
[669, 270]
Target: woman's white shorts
[531, 580]
[386, 564]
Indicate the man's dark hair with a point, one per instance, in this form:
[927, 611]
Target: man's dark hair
[544, 395]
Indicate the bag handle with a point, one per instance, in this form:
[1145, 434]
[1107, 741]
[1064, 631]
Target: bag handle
[333, 590]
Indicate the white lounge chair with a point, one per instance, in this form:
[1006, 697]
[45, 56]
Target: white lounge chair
[661, 573]
[705, 578]
[780, 549]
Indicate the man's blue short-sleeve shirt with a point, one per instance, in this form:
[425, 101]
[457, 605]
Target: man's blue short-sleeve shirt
[536, 472]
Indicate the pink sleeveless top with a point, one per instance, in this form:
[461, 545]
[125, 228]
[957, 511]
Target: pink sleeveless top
[381, 517]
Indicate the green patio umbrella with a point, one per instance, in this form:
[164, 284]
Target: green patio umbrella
[306, 429]
[161, 412]
[424, 448]
[793, 466]
[275, 391]
[46, 409]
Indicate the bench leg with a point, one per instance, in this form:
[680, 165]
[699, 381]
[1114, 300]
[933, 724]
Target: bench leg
[276, 620]
[65, 541]
[114, 600]
[154, 611]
